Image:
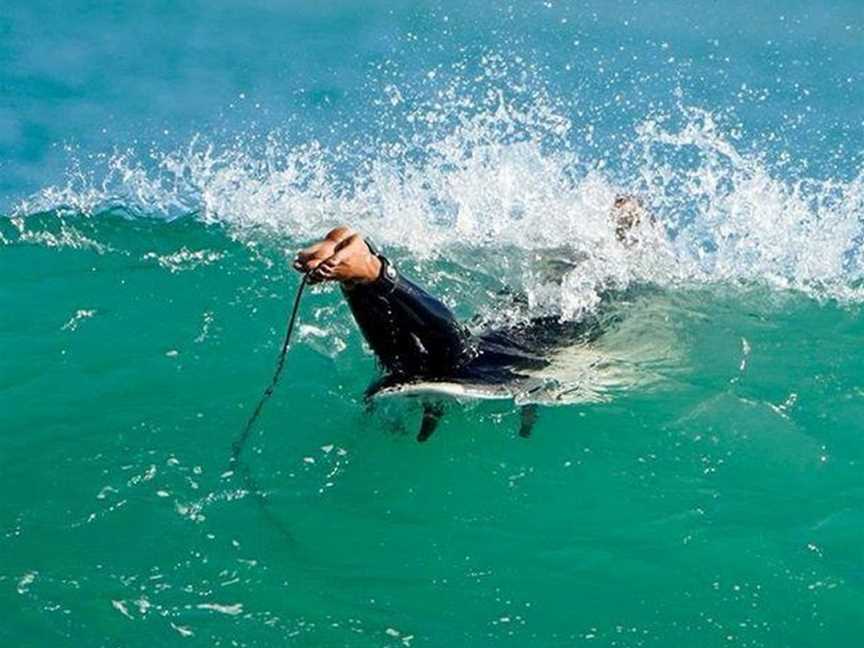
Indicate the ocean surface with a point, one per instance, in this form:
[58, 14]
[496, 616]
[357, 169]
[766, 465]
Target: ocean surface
[695, 476]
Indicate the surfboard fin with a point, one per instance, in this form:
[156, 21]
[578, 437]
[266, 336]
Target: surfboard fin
[529, 418]
[432, 413]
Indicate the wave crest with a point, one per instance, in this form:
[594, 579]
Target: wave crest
[500, 184]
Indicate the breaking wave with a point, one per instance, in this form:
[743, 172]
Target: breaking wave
[502, 179]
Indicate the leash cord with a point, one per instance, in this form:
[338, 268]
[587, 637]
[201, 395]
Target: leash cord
[240, 442]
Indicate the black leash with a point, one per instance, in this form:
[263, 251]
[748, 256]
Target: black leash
[236, 465]
[240, 442]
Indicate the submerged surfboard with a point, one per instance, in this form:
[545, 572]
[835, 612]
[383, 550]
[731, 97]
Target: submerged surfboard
[577, 374]
[457, 390]
[433, 393]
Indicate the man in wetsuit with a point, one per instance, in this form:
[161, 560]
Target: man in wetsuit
[411, 332]
[416, 337]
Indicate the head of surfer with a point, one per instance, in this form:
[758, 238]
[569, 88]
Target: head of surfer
[627, 214]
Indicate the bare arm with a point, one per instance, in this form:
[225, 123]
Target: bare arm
[341, 256]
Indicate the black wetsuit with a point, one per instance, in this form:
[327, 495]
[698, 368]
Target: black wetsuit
[415, 336]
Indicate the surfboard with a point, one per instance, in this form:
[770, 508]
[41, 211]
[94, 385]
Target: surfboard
[576, 374]
[448, 389]
[433, 392]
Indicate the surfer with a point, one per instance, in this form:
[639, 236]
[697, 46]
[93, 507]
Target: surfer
[416, 337]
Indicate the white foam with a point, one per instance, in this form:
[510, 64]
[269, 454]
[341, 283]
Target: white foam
[496, 183]
[231, 610]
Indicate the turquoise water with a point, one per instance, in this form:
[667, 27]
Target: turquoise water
[694, 476]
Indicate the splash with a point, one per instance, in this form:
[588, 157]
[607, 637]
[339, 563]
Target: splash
[491, 176]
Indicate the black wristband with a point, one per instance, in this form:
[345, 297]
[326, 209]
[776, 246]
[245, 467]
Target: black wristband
[388, 277]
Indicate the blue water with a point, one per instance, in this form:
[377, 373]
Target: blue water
[93, 77]
[160, 162]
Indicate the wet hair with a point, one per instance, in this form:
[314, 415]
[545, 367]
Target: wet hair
[627, 212]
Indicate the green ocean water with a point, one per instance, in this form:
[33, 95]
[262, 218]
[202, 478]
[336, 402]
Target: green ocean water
[694, 477]
[723, 503]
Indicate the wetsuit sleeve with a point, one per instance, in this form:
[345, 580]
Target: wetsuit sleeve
[410, 331]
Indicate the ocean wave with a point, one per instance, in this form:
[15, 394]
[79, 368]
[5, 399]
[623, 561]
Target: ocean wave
[497, 181]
